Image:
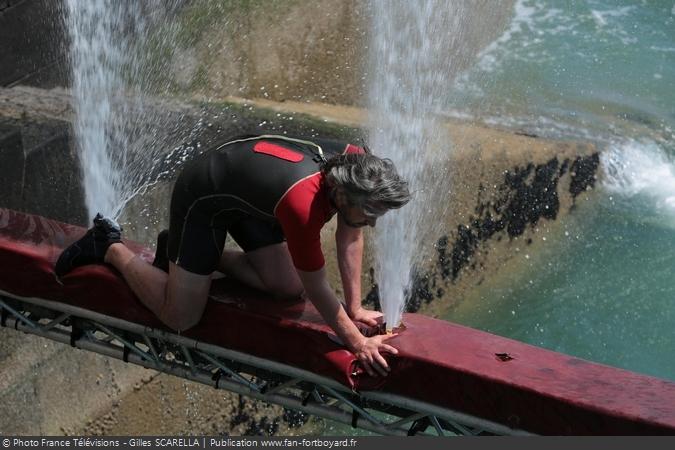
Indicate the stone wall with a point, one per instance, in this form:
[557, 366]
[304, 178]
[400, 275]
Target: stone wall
[41, 173]
[303, 50]
[293, 50]
[32, 36]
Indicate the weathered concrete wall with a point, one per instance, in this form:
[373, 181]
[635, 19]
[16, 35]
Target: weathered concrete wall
[41, 173]
[32, 36]
[304, 50]
[507, 192]
[49, 388]
[308, 51]
[39, 156]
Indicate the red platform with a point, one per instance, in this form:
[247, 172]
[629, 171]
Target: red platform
[440, 363]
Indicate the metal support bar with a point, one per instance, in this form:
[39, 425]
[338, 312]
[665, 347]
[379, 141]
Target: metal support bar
[434, 422]
[355, 407]
[188, 358]
[152, 349]
[52, 323]
[196, 361]
[230, 372]
[18, 315]
[282, 386]
[405, 420]
[126, 343]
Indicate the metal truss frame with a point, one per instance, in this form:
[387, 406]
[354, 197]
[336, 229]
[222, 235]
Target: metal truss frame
[262, 379]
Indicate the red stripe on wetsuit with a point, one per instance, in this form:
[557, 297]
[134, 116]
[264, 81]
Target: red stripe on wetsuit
[302, 212]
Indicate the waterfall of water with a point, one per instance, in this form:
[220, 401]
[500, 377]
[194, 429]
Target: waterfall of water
[117, 144]
[416, 50]
[99, 52]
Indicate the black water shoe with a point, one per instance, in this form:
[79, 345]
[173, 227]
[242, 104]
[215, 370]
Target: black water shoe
[162, 252]
[90, 248]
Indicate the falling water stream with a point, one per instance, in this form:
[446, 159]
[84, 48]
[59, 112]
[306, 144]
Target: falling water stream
[118, 146]
[416, 50]
[99, 53]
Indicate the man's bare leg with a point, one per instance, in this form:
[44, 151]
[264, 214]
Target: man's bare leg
[236, 264]
[177, 299]
[269, 269]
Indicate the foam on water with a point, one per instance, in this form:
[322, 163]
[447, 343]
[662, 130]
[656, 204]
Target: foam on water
[591, 59]
[641, 169]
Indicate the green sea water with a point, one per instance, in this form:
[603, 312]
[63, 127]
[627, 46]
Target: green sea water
[602, 287]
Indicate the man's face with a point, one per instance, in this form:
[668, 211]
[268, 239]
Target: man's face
[355, 217]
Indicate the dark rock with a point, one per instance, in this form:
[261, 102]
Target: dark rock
[420, 291]
[527, 195]
[463, 248]
[262, 427]
[372, 299]
[532, 195]
[444, 261]
[294, 419]
[583, 173]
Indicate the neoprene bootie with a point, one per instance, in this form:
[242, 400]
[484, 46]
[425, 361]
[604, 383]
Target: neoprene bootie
[90, 248]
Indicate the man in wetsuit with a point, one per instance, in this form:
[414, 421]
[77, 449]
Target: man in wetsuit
[272, 194]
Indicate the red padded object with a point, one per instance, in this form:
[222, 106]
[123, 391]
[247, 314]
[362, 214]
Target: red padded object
[438, 362]
[269, 148]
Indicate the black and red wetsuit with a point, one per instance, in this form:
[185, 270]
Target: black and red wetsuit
[260, 189]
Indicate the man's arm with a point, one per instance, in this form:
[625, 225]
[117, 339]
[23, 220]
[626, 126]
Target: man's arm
[349, 243]
[367, 350]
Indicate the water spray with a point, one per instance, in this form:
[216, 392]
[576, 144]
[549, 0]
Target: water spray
[409, 55]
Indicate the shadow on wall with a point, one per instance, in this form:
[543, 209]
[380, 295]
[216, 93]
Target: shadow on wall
[40, 172]
[33, 51]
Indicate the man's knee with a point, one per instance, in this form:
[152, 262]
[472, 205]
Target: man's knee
[185, 298]
[179, 322]
[286, 290]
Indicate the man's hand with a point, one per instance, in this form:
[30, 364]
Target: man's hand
[368, 353]
[366, 316]
[367, 350]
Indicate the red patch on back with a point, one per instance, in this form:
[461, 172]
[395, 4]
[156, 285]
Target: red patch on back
[268, 148]
[354, 149]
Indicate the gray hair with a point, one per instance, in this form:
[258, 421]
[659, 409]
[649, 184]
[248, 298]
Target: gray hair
[369, 182]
